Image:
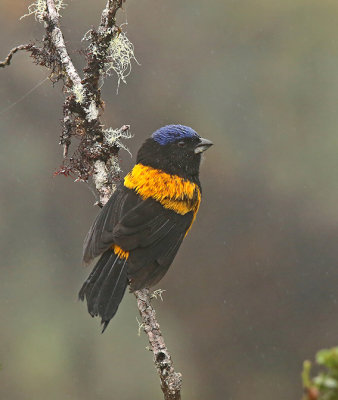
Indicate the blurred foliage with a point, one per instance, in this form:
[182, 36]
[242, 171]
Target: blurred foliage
[324, 386]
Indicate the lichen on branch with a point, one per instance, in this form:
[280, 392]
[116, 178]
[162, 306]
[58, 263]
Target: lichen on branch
[39, 7]
[117, 54]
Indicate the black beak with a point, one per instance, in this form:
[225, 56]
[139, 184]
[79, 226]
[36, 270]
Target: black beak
[203, 145]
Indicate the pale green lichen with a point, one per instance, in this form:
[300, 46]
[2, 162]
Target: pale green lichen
[115, 166]
[113, 136]
[87, 37]
[119, 57]
[38, 9]
[92, 111]
[79, 93]
[100, 174]
[140, 327]
[157, 293]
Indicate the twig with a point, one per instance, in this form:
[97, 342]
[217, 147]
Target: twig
[7, 61]
[171, 381]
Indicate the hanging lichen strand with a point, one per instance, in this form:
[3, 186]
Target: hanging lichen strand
[118, 54]
[38, 9]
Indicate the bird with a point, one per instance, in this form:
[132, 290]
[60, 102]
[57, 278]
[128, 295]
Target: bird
[139, 230]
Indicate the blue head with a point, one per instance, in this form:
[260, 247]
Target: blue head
[170, 133]
[174, 149]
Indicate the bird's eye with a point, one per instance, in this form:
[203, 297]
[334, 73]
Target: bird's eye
[181, 144]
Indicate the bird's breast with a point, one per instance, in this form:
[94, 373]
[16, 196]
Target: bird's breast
[173, 192]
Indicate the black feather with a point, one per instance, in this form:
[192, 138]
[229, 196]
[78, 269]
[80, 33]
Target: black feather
[88, 285]
[105, 287]
[100, 236]
[143, 274]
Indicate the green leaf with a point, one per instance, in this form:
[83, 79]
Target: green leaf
[325, 381]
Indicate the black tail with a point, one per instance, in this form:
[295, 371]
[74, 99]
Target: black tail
[105, 287]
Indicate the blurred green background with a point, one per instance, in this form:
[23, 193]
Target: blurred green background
[253, 290]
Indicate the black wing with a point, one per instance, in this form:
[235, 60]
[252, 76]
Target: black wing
[151, 234]
[100, 235]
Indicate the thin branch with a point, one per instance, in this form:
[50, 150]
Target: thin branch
[7, 61]
[100, 42]
[171, 381]
[108, 14]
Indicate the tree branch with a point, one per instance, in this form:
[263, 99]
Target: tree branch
[108, 14]
[96, 154]
[8, 59]
[53, 30]
[171, 381]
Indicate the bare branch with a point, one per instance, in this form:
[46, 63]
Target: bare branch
[7, 61]
[171, 381]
